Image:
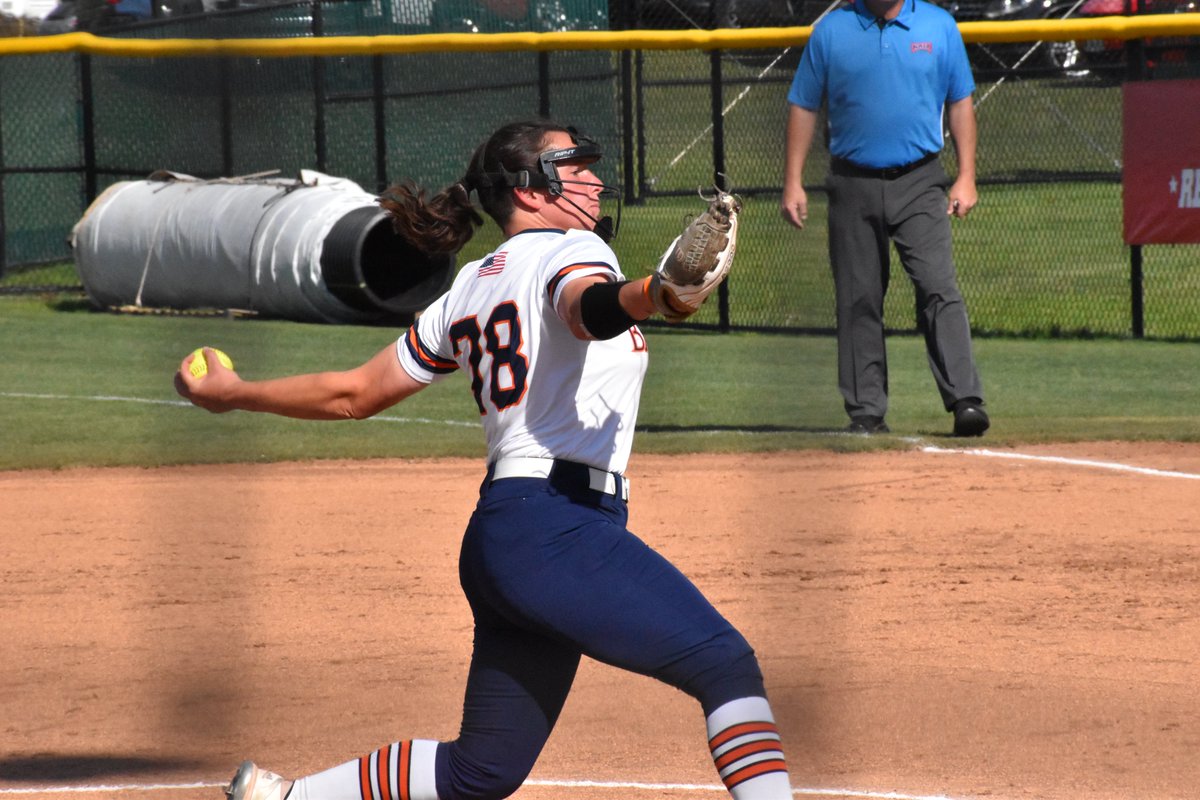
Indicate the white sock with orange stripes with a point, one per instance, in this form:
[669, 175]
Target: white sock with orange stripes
[746, 748]
[400, 771]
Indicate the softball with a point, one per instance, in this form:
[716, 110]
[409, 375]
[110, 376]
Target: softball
[199, 367]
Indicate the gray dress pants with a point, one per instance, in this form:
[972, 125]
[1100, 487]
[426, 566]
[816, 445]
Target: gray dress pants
[865, 214]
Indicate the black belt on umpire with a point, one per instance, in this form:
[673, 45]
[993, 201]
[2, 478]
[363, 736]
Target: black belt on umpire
[848, 169]
[565, 475]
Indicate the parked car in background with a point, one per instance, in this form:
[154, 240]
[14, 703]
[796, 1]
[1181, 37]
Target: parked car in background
[1070, 58]
[25, 9]
[711, 14]
[714, 14]
[482, 16]
[506, 16]
[96, 15]
[1160, 52]
[1064, 57]
[630, 14]
[91, 15]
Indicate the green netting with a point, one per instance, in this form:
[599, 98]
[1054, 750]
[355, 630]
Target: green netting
[45, 206]
[1042, 254]
[42, 115]
[41, 124]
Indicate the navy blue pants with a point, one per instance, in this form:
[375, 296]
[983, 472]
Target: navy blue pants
[552, 574]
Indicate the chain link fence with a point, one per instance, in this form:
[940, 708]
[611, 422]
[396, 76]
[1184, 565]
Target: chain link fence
[1041, 255]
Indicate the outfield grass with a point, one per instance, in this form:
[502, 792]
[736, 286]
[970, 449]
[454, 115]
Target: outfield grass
[88, 388]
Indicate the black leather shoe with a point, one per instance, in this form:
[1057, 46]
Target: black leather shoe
[969, 418]
[867, 424]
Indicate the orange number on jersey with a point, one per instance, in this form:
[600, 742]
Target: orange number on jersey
[639, 341]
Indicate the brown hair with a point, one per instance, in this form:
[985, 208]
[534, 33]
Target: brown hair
[445, 222]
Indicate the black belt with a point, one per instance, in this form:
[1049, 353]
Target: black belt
[848, 169]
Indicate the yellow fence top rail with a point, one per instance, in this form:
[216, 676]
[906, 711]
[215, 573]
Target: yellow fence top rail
[1136, 27]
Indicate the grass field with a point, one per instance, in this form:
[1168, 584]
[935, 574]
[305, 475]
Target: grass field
[1033, 260]
[87, 388]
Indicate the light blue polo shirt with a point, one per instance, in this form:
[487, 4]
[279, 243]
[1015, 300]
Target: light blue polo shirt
[885, 88]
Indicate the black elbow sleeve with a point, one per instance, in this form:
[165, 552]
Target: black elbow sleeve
[601, 312]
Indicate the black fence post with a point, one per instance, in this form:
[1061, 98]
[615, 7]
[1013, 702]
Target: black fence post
[543, 71]
[718, 118]
[224, 71]
[319, 144]
[1136, 70]
[627, 127]
[1136, 292]
[631, 19]
[380, 113]
[618, 20]
[639, 102]
[718, 156]
[89, 129]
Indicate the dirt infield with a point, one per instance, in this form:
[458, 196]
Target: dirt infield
[929, 623]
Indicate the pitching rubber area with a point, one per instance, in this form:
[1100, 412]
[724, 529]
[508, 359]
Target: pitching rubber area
[941, 623]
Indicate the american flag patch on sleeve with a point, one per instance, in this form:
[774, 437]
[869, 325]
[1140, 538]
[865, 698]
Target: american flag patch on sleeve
[493, 264]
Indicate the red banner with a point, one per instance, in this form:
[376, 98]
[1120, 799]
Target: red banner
[1162, 162]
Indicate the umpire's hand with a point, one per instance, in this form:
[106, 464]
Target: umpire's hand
[794, 205]
[962, 199]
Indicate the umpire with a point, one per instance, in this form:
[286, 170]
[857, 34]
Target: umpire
[885, 70]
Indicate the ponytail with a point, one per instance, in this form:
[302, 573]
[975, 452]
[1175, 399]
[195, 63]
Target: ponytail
[439, 225]
[444, 223]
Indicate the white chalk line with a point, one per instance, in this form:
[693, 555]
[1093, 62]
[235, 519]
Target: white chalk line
[106, 398]
[982, 452]
[136, 787]
[103, 398]
[560, 784]
[701, 787]
[1074, 462]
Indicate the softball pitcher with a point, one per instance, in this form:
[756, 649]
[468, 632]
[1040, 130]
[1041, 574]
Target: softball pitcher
[545, 330]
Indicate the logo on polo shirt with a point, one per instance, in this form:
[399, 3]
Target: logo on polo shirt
[922, 47]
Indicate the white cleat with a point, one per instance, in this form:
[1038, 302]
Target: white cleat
[252, 783]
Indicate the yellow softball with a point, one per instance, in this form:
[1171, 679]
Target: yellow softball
[199, 367]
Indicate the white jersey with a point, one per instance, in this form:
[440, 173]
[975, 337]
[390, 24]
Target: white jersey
[540, 390]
